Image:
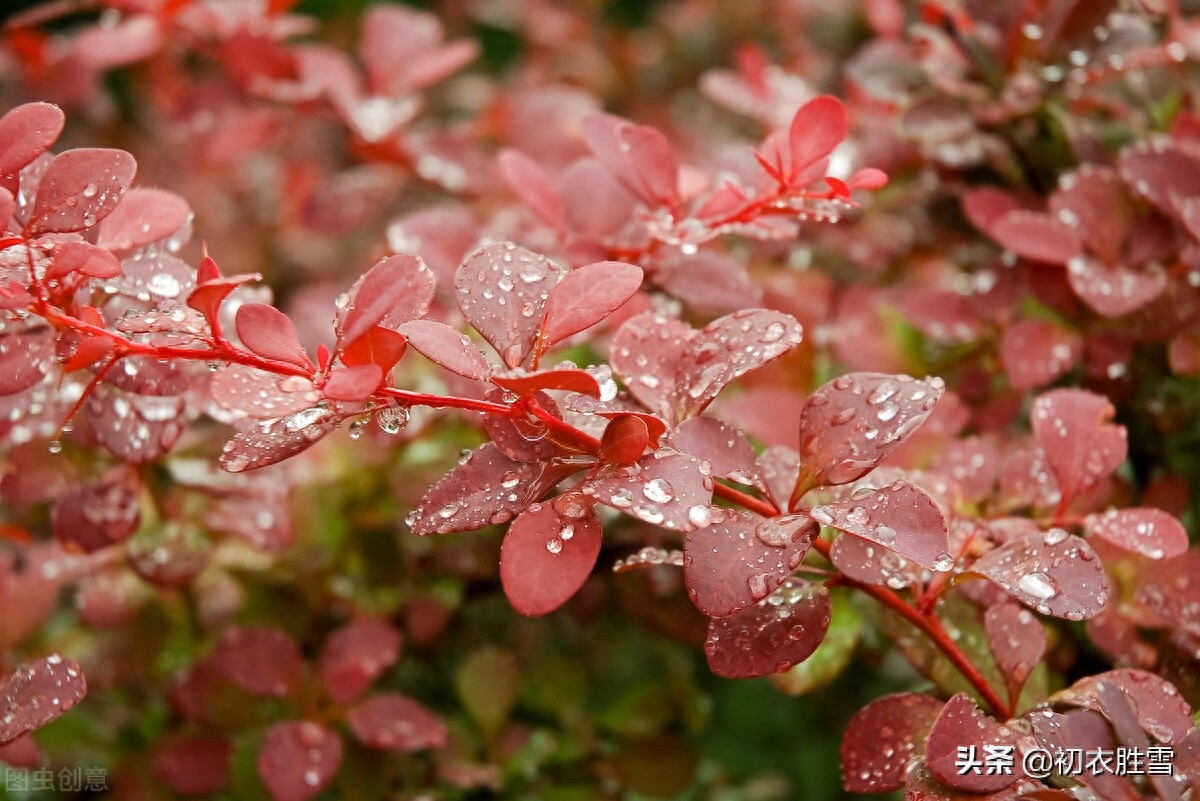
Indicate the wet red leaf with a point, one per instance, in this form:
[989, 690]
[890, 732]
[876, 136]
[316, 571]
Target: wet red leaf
[299, 759]
[144, 216]
[35, 693]
[667, 488]
[263, 661]
[1150, 532]
[395, 722]
[380, 346]
[394, 291]
[268, 332]
[26, 132]
[961, 723]
[79, 188]
[270, 441]
[778, 632]
[901, 517]
[1035, 352]
[193, 765]
[548, 554]
[1080, 444]
[1017, 640]
[882, 737]
[625, 439]
[585, 296]
[353, 384]
[355, 655]
[447, 346]
[1054, 572]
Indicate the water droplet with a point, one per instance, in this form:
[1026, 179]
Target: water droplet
[554, 545]
[1038, 585]
[699, 516]
[658, 490]
[621, 498]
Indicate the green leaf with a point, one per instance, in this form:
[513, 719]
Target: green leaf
[487, 682]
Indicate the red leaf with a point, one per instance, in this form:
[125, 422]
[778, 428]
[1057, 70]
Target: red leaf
[447, 346]
[1036, 236]
[882, 737]
[1017, 640]
[708, 282]
[655, 427]
[502, 289]
[380, 346]
[568, 380]
[646, 352]
[84, 258]
[778, 632]
[1161, 710]
[1117, 290]
[79, 188]
[625, 439]
[986, 205]
[1080, 444]
[741, 558]
[854, 422]
[273, 441]
[640, 157]
[1149, 532]
[353, 384]
[36, 693]
[666, 488]
[299, 759]
[962, 723]
[263, 661]
[529, 181]
[1054, 572]
[587, 295]
[208, 295]
[26, 132]
[866, 562]
[1035, 352]
[396, 290]
[524, 439]
[355, 655]
[1161, 172]
[269, 332]
[902, 517]
[1093, 200]
[143, 217]
[547, 555]
[92, 517]
[256, 393]
[25, 359]
[193, 765]
[395, 722]
[721, 445]
[817, 128]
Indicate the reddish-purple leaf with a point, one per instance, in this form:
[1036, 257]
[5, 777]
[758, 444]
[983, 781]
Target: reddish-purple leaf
[817, 128]
[1054, 572]
[79, 188]
[667, 488]
[568, 380]
[640, 157]
[882, 737]
[646, 352]
[869, 563]
[1162, 712]
[779, 467]
[256, 393]
[193, 765]
[986, 205]
[299, 759]
[625, 439]
[1160, 171]
[353, 384]
[36, 693]
[1082, 731]
[355, 655]
[522, 438]
[95, 516]
[740, 558]
[529, 181]
[1116, 290]
[143, 217]
[394, 722]
[547, 556]
[209, 294]
[502, 290]
[1092, 200]
[26, 132]
[272, 441]
[1017, 640]
[778, 632]
[974, 465]
[380, 346]
[708, 282]
[447, 346]
[87, 259]
[263, 661]
[587, 295]
[394, 291]
[1080, 444]
[1036, 236]
[856, 421]
[721, 445]
[270, 333]
[961, 723]
[1035, 352]
[25, 359]
[901, 516]
[1150, 532]
[487, 489]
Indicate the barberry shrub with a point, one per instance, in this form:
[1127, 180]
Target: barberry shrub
[946, 444]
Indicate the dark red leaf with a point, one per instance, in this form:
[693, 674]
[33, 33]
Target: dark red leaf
[1036, 236]
[36, 693]
[902, 517]
[529, 181]
[299, 759]
[778, 632]
[640, 157]
[447, 346]
[502, 290]
[355, 655]
[394, 722]
[25, 359]
[79, 188]
[547, 555]
[817, 128]
[854, 422]
[92, 517]
[1085, 731]
[1160, 171]
[667, 488]
[1092, 200]
[740, 558]
[270, 333]
[1054, 572]
[587, 295]
[353, 384]
[1150, 532]
[263, 661]
[1035, 352]
[721, 445]
[380, 346]
[655, 427]
[1161, 710]
[143, 217]
[986, 205]
[394, 291]
[646, 352]
[208, 296]
[565, 379]
[867, 562]
[1115, 291]
[26, 132]
[1017, 640]
[272, 441]
[193, 765]
[84, 258]
[524, 438]
[1080, 444]
[882, 737]
[961, 723]
[625, 439]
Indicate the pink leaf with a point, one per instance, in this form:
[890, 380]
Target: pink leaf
[741, 558]
[854, 422]
[79, 188]
[272, 441]
[95, 516]
[708, 282]
[143, 217]
[667, 488]
[986, 205]
[721, 445]
[1160, 708]
[522, 438]
[1160, 171]
[882, 737]
[26, 132]
[779, 467]
[394, 722]
[1080, 444]
[586, 296]
[817, 128]
[529, 181]
[299, 759]
[1093, 200]
[974, 465]
[398, 46]
[25, 359]
[772, 636]
[193, 765]
[902, 517]
[867, 562]
[1054, 572]
[256, 393]
[566, 379]
[1149, 532]
[36, 693]
[1036, 236]
[962, 723]
[270, 333]
[353, 384]
[1035, 352]
[1017, 640]
[646, 352]
[394, 291]
[502, 289]
[547, 555]
[640, 157]
[355, 655]
[87, 259]
[1117, 290]
[263, 661]
[447, 346]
